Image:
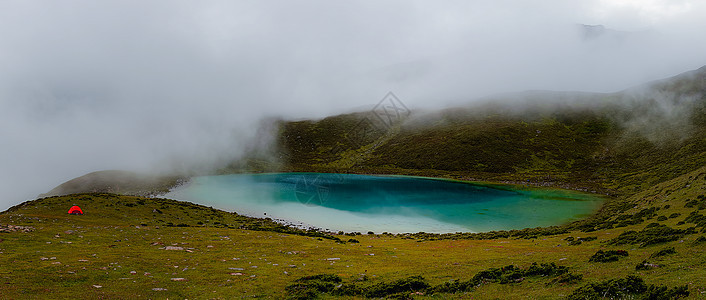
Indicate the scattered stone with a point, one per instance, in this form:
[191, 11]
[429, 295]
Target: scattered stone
[158, 289]
[179, 279]
[334, 258]
[43, 258]
[236, 274]
[83, 260]
[236, 269]
[15, 228]
[133, 272]
[97, 286]
[173, 248]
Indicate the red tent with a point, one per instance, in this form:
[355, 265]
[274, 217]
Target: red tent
[75, 210]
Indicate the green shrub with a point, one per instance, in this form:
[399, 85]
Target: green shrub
[613, 288]
[663, 252]
[567, 278]
[607, 256]
[663, 292]
[579, 240]
[630, 287]
[650, 236]
[644, 265]
[409, 284]
[309, 287]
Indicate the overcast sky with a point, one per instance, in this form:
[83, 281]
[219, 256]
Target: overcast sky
[153, 85]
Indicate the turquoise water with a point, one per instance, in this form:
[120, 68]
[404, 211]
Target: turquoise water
[386, 203]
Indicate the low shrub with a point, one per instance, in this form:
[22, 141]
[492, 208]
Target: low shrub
[663, 252]
[579, 240]
[309, 287]
[645, 265]
[630, 287]
[607, 256]
[650, 236]
[409, 284]
[663, 292]
[568, 278]
[612, 288]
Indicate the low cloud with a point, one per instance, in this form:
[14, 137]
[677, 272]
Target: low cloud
[176, 85]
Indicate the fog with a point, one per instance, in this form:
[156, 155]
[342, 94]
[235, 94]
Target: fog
[162, 86]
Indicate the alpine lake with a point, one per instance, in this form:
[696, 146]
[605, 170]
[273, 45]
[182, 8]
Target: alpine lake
[394, 204]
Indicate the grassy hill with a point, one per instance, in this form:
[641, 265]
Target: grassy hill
[617, 143]
[645, 147]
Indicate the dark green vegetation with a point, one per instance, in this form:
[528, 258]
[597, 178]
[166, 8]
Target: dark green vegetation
[311, 286]
[651, 163]
[631, 286]
[607, 256]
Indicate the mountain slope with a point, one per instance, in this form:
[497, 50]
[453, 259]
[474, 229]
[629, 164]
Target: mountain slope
[620, 142]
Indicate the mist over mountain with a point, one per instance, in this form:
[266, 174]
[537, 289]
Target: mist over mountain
[178, 86]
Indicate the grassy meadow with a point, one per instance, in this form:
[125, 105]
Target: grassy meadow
[122, 248]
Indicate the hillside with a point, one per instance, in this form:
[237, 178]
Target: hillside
[116, 181]
[615, 143]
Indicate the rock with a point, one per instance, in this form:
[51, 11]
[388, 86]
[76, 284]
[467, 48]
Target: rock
[236, 274]
[173, 248]
[97, 286]
[159, 289]
[334, 258]
[179, 279]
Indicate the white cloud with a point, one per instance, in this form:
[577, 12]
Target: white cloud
[91, 85]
